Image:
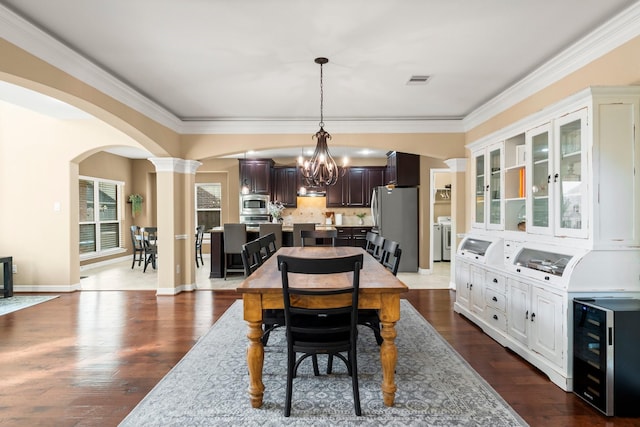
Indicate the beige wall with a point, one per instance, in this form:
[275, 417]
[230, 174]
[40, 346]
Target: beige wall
[39, 163]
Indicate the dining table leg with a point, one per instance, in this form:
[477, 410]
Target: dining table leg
[255, 350]
[389, 315]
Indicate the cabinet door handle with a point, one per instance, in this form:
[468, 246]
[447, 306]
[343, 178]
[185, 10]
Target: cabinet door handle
[533, 316]
[495, 280]
[470, 286]
[555, 177]
[518, 270]
[546, 278]
[487, 188]
[495, 317]
[526, 315]
[495, 299]
[548, 179]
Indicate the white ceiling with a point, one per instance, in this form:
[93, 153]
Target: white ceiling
[253, 60]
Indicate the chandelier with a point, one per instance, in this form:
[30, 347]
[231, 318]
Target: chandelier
[321, 169]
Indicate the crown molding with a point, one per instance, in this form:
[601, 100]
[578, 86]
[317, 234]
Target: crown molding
[612, 34]
[270, 126]
[33, 40]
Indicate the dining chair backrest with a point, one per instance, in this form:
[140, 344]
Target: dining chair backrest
[150, 240]
[318, 237]
[374, 245]
[297, 228]
[267, 245]
[251, 256]
[137, 245]
[276, 229]
[312, 328]
[199, 239]
[391, 254]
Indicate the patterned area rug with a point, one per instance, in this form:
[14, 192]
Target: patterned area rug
[436, 387]
[15, 303]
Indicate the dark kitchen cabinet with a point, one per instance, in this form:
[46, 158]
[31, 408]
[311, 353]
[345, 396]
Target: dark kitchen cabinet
[284, 186]
[256, 175]
[352, 236]
[403, 169]
[355, 187]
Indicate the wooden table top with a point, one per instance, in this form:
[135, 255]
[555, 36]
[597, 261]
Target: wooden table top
[374, 278]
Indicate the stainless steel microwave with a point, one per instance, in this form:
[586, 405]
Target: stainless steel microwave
[254, 204]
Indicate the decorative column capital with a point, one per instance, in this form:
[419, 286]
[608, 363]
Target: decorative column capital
[457, 165]
[175, 165]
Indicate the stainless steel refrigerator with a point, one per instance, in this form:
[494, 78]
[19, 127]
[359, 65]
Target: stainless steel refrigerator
[395, 217]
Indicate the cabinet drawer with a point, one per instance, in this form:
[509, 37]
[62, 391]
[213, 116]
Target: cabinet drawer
[496, 318]
[360, 232]
[496, 281]
[495, 299]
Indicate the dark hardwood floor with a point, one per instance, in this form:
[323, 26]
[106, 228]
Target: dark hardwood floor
[87, 358]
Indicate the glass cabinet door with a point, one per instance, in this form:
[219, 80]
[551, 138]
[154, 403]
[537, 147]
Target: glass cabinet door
[539, 177]
[570, 174]
[495, 187]
[480, 190]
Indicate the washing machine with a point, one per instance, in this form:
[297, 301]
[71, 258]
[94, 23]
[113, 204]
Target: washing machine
[445, 232]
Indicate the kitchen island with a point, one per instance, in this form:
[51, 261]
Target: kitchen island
[355, 235]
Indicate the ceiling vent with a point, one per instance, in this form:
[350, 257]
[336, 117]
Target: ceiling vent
[419, 80]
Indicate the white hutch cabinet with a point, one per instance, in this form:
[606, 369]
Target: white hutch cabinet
[556, 215]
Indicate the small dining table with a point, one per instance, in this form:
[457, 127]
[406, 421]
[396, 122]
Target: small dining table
[379, 289]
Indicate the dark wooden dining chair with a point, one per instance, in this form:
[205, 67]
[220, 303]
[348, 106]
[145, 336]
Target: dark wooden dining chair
[297, 228]
[150, 241]
[235, 235]
[312, 331]
[374, 244]
[391, 254]
[137, 245]
[251, 256]
[318, 237]
[199, 239]
[390, 258]
[267, 245]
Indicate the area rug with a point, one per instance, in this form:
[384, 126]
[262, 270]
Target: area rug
[15, 303]
[436, 387]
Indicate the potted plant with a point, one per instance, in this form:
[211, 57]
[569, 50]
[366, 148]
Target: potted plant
[275, 209]
[136, 204]
[361, 216]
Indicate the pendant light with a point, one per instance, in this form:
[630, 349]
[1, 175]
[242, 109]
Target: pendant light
[321, 169]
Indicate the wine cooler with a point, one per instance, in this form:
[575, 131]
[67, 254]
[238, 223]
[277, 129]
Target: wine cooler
[606, 354]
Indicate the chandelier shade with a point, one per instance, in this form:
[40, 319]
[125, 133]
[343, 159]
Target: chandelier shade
[321, 169]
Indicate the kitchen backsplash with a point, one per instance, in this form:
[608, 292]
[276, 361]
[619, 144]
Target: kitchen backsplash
[313, 209]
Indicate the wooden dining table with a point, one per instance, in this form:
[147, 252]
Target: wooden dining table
[379, 289]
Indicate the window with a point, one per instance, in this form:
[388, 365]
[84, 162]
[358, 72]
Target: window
[208, 206]
[100, 216]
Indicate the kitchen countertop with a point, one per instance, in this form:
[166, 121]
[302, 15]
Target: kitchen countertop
[285, 228]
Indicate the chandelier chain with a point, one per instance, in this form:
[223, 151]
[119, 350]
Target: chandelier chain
[321, 99]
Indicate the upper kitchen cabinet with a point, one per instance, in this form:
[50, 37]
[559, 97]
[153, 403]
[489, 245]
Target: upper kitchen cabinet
[354, 188]
[488, 182]
[256, 175]
[403, 169]
[284, 185]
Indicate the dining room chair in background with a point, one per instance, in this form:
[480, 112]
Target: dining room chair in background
[137, 245]
[251, 256]
[268, 245]
[235, 235]
[199, 239]
[150, 241]
[390, 258]
[374, 245]
[318, 237]
[297, 228]
[391, 254]
[312, 331]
